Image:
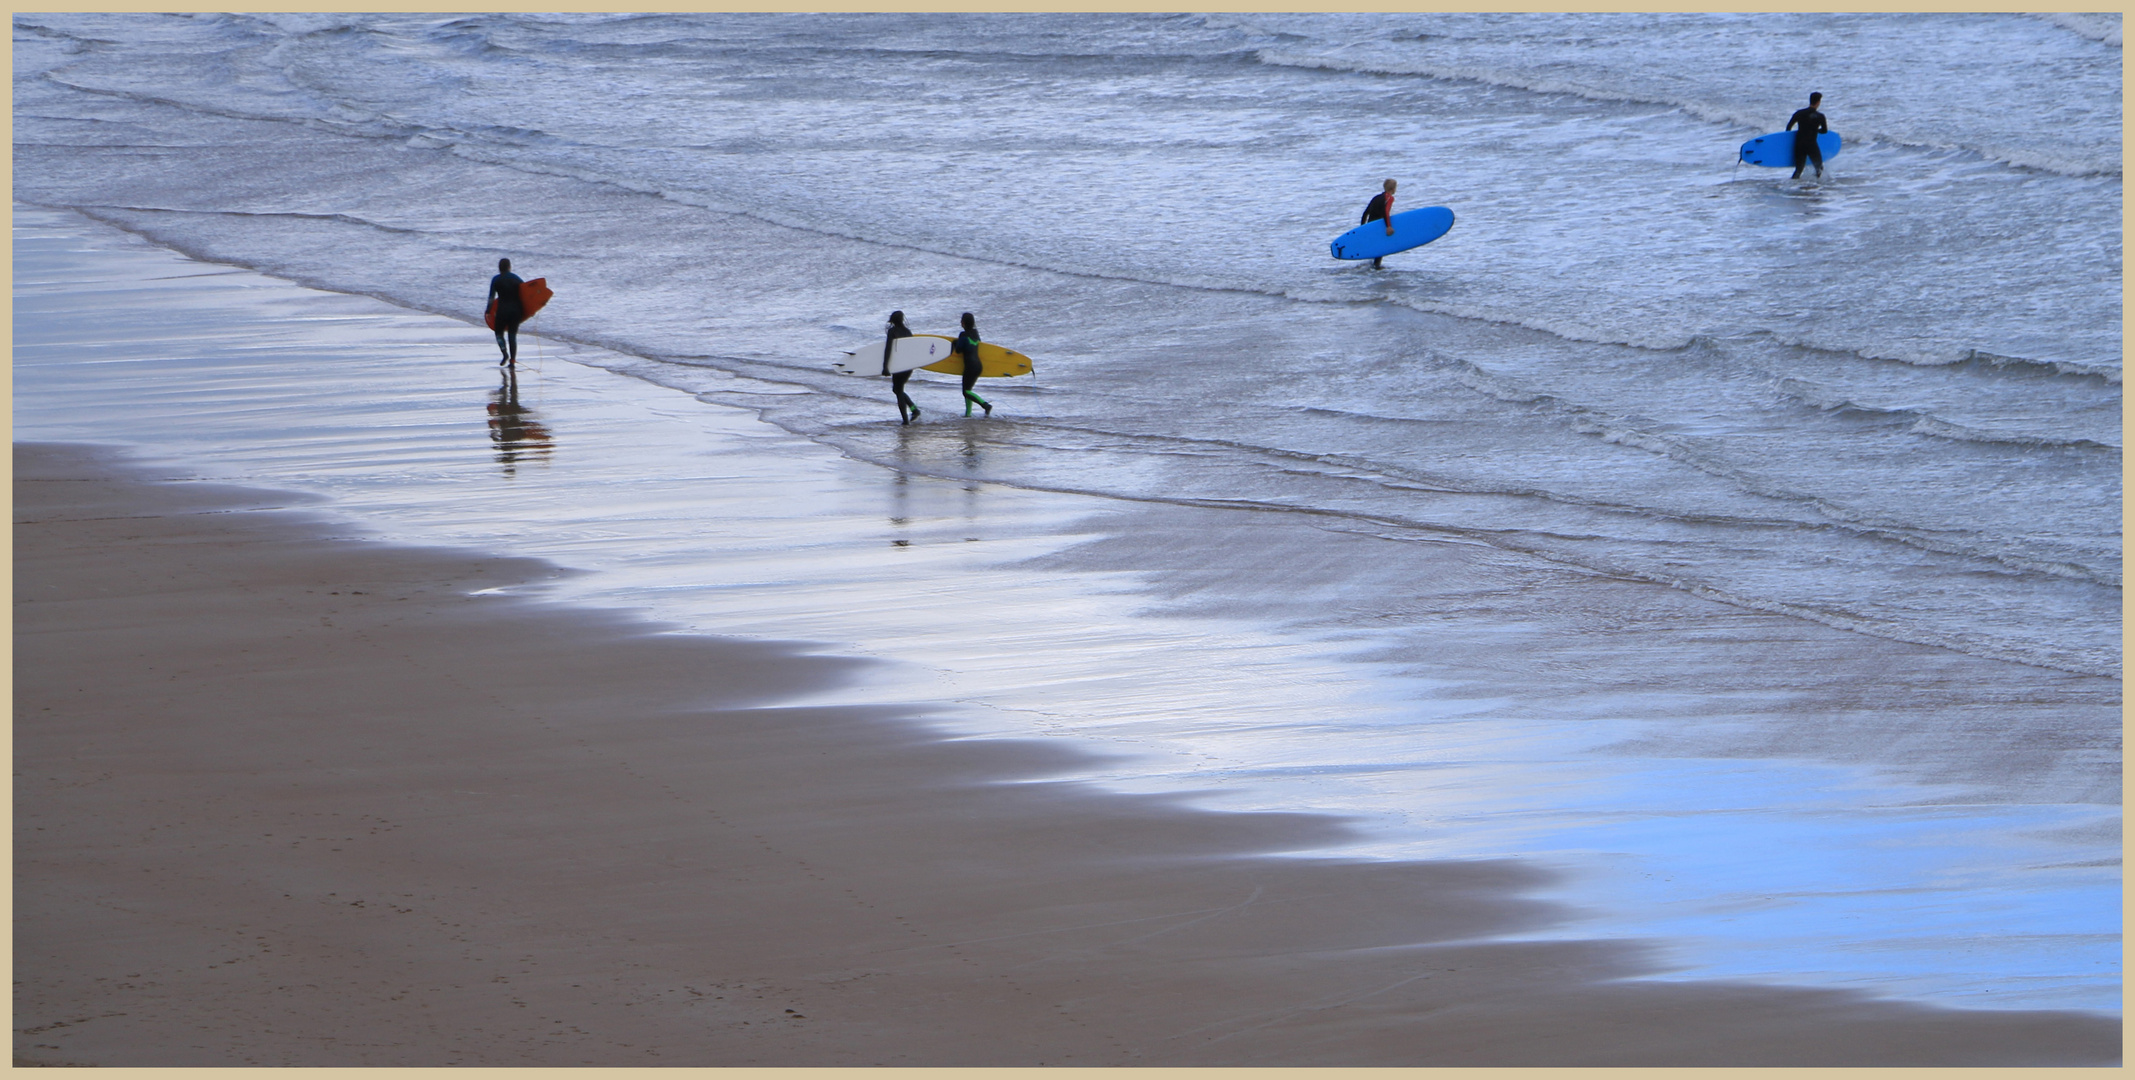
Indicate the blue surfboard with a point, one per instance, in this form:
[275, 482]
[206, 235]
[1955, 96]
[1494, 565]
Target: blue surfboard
[1412, 228]
[1777, 149]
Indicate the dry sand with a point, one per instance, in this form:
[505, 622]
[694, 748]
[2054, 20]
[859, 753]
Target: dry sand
[284, 798]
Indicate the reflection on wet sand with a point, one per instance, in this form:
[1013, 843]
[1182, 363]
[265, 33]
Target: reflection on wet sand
[900, 503]
[514, 428]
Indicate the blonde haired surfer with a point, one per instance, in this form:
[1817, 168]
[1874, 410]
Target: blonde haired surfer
[1380, 208]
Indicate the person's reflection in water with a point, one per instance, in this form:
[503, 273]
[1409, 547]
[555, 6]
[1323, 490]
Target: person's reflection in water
[900, 507]
[513, 428]
[971, 453]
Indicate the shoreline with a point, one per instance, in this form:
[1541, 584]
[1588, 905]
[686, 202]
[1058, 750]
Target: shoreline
[1498, 723]
[431, 827]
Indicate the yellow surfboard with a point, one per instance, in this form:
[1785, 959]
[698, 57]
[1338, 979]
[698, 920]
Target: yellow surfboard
[994, 361]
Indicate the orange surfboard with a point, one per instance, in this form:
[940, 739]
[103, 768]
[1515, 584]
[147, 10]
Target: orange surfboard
[532, 294]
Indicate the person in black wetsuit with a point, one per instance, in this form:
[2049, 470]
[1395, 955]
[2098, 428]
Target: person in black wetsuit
[511, 311]
[907, 409]
[1807, 124]
[967, 346]
[1380, 208]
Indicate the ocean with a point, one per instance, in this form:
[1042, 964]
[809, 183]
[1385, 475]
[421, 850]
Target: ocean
[1747, 547]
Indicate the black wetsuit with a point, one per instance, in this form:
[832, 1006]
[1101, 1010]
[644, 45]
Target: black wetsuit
[967, 346]
[1807, 124]
[1375, 210]
[511, 311]
[511, 308]
[897, 380]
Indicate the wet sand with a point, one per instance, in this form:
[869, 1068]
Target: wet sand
[285, 797]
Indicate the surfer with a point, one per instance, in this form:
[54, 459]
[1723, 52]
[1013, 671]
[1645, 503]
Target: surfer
[967, 345]
[1380, 208]
[511, 311]
[1811, 124]
[907, 409]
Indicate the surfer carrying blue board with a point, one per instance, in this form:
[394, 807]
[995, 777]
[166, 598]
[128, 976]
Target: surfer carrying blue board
[511, 311]
[907, 409]
[1380, 208]
[1807, 124]
[967, 346]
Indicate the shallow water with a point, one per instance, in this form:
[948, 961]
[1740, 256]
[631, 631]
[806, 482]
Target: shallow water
[1888, 402]
[1667, 520]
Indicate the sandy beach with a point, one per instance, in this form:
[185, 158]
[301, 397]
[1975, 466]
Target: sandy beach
[287, 798]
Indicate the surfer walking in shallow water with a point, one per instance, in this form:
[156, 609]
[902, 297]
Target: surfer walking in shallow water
[907, 409]
[1380, 208]
[511, 311]
[1807, 124]
[967, 346]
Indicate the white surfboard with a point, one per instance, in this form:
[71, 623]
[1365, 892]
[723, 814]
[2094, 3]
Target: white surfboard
[912, 353]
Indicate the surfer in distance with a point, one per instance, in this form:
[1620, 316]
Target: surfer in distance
[967, 345]
[907, 409]
[1807, 124]
[511, 311]
[1380, 208]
